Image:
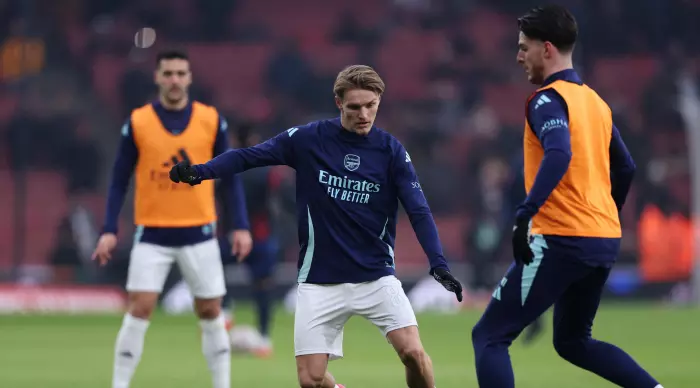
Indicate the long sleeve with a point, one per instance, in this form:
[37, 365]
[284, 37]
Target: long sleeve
[622, 168]
[275, 151]
[233, 194]
[549, 120]
[123, 168]
[413, 200]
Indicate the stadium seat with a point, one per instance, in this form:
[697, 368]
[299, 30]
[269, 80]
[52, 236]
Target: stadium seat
[6, 221]
[404, 61]
[509, 101]
[47, 205]
[8, 106]
[624, 78]
[77, 39]
[408, 250]
[237, 68]
[489, 32]
[106, 75]
[328, 58]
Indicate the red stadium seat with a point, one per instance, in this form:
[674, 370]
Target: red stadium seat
[107, 71]
[489, 33]
[408, 250]
[308, 20]
[236, 68]
[8, 106]
[47, 205]
[7, 220]
[77, 39]
[624, 78]
[509, 101]
[405, 60]
[329, 59]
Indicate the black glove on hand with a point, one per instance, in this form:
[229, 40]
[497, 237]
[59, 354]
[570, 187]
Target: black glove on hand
[521, 241]
[183, 172]
[444, 277]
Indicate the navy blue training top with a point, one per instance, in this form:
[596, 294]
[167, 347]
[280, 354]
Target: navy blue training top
[348, 188]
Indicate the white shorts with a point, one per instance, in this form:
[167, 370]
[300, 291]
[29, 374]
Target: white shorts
[200, 265]
[323, 310]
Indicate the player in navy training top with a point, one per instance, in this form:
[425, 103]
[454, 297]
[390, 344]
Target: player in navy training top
[566, 237]
[351, 176]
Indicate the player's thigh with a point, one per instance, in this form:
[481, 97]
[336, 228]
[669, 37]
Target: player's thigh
[525, 292]
[149, 265]
[319, 319]
[575, 311]
[202, 269]
[384, 303]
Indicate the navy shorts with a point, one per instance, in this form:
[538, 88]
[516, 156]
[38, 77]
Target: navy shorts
[262, 259]
[555, 277]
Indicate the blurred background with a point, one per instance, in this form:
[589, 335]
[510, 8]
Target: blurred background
[71, 71]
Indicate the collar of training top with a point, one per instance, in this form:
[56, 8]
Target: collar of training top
[569, 75]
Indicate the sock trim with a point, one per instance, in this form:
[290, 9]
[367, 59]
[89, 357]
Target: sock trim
[136, 323]
[213, 324]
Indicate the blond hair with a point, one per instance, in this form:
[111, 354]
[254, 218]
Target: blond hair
[358, 77]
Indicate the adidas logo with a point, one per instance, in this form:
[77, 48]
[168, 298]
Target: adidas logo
[542, 100]
[175, 160]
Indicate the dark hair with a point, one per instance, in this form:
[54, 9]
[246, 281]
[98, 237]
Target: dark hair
[171, 54]
[551, 23]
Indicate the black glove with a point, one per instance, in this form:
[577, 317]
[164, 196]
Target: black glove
[521, 241]
[444, 277]
[183, 172]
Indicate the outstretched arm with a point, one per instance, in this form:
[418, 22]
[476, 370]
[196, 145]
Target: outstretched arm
[275, 151]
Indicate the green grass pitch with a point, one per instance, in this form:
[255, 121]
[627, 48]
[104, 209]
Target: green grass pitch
[76, 352]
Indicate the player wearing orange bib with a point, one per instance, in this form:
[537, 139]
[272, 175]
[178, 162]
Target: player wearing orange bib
[156, 137]
[567, 231]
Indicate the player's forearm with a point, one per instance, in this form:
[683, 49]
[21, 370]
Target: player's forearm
[427, 234]
[237, 203]
[225, 165]
[621, 184]
[552, 169]
[622, 168]
[121, 175]
[236, 161]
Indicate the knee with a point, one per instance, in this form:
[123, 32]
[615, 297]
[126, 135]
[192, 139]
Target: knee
[141, 307]
[478, 334]
[413, 357]
[208, 309]
[568, 348]
[308, 379]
